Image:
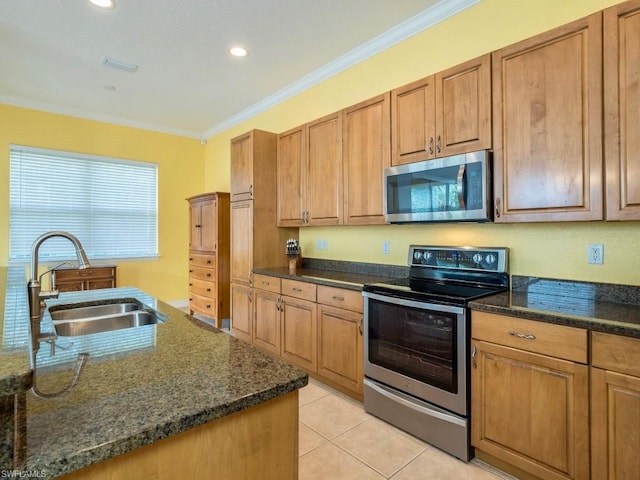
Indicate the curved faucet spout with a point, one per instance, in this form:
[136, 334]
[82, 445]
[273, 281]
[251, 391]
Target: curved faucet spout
[83, 261]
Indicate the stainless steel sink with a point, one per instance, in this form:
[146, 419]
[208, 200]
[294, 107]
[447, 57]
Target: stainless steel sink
[87, 318]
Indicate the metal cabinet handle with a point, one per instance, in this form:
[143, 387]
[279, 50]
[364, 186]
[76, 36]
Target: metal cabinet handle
[338, 298]
[361, 326]
[439, 144]
[498, 207]
[525, 336]
[296, 289]
[474, 352]
[251, 190]
[430, 145]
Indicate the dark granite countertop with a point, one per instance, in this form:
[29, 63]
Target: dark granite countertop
[348, 275]
[599, 307]
[139, 385]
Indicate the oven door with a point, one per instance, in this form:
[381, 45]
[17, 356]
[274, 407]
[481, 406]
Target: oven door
[417, 347]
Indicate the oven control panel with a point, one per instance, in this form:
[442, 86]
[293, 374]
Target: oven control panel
[459, 258]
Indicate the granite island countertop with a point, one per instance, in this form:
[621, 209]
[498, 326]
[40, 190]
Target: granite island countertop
[139, 385]
[600, 307]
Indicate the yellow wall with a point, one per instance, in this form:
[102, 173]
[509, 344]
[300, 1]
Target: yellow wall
[557, 250]
[180, 165]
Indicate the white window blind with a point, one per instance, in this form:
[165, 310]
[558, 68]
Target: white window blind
[109, 204]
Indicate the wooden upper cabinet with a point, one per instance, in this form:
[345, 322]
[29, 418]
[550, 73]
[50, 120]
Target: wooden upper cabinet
[310, 174]
[203, 226]
[324, 178]
[242, 167]
[413, 122]
[291, 165]
[547, 125]
[366, 153]
[622, 110]
[463, 107]
[443, 114]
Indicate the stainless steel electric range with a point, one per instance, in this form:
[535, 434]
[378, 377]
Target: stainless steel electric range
[417, 340]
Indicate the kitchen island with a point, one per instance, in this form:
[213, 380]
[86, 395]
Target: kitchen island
[178, 399]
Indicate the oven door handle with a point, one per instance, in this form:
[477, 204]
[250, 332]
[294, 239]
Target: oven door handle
[426, 411]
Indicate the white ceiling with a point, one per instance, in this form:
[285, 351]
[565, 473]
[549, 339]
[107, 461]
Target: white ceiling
[51, 54]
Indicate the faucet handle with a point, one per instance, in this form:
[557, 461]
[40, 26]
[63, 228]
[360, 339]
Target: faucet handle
[49, 294]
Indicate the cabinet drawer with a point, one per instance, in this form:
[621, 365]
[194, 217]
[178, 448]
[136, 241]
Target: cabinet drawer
[266, 282]
[555, 340]
[202, 273]
[303, 290]
[73, 274]
[202, 287]
[341, 298]
[199, 260]
[204, 305]
[615, 352]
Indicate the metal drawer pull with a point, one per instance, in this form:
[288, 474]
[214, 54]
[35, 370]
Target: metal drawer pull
[295, 289]
[266, 283]
[339, 298]
[526, 336]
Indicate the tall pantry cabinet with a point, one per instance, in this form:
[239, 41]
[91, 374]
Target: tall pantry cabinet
[256, 241]
[209, 255]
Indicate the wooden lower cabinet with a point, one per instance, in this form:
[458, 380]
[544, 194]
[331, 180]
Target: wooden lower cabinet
[300, 333]
[615, 407]
[530, 410]
[315, 327]
[92, 278]
[266, 321]
[340, 347]
[242, 312]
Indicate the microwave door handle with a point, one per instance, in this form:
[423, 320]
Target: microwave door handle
[460, 187]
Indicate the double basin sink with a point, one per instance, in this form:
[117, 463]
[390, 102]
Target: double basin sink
[86, 318]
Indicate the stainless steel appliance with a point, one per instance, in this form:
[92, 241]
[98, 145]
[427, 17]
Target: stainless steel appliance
[417, 340]
[449, 189]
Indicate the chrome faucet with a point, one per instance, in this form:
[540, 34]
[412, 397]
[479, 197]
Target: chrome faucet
[36, 295]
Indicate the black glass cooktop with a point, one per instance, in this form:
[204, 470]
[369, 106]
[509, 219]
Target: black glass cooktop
[433, 291]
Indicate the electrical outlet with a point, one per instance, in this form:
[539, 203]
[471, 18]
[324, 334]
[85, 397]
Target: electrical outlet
[318, 244]
[386, 247]
[322, 244]
[595, 254]
[325, 244]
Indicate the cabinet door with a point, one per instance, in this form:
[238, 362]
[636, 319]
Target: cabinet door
[242, 167]
[463, 108]
[366, 153]
[241, 241]
[413, 122]
[291, 165]
[530, 410]
[300, 333]
[340, 347]
[547, 114]
[195, 226]
[209, 225]
[266, 321]
[241, 312]
[615, 427]
[324, 172]
[622, 110]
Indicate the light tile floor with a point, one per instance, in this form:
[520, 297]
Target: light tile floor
[339, 440]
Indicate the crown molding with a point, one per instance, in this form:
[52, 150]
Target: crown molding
[416, 24]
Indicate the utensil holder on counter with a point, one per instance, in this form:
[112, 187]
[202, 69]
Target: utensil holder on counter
[294, 253]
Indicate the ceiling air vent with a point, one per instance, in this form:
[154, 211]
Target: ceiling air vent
[113, 63]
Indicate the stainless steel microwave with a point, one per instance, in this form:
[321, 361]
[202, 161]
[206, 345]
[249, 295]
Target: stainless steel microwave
[448, 189]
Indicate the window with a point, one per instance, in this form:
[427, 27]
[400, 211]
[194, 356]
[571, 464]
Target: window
[109, 204]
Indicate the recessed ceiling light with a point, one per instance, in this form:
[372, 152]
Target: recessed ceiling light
[104, 3]
[238, 51]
